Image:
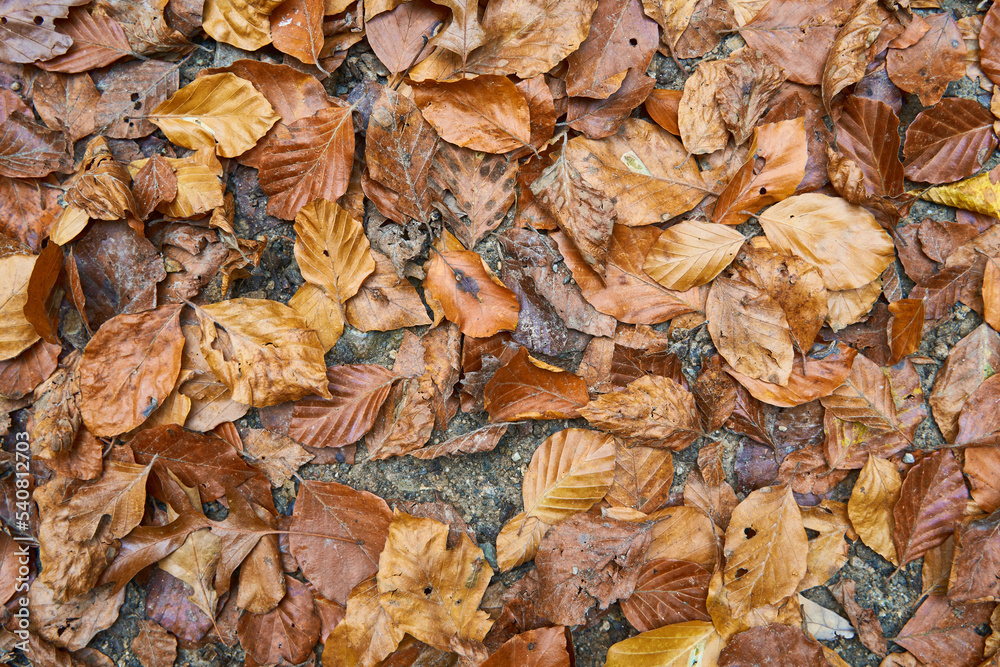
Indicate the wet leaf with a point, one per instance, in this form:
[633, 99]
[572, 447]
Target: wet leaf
[653, 411]
[569, 473]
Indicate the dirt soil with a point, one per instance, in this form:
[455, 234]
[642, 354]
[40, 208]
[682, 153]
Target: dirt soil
[486, 488]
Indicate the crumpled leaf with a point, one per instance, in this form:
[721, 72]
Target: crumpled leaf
[699, 117]
[29, 150]
[653, 411]
[101, 187]
[416, 559]
[265, 352]
[220, 111]
[751, 81]
[852, 50]
[481, 440]
[243, 23]
[569, 473]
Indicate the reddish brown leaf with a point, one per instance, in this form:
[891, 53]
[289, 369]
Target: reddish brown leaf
[470, 295]
[66, 103]
[935, 60]
[602, 118]
[544, 647]
[155, 184]
[337, 534]
[480, 440]
[781, 645]
[152, 80]
[289, 632]
[358, 392]
[527, 389]
[982, 467]
[942, 634]
[989, 44]
[666, 592]
[19, 376]
[97, 41]
[621, 37]
[154, 646]
[662, 105]
[820, 378]
[867, 134]
[931, 501]
[399, 37]
[949, 141]
[643, 476]
[297, 29]
[976, 561]
[487, 113]
[906, 328]
[29, 150]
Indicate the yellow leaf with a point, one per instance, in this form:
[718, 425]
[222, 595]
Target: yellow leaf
[841, 239]
[243, 23]
[570, 472]
[690, 644]
[331, 249]
[220, 111]
[321, 312]
[691, 253]
[848, 306]
[980, 193]
[16, 333]
[766, 550]
[429, 591]
[263, 351]
[870, 507]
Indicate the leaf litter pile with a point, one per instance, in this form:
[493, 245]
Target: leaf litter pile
[625, 230]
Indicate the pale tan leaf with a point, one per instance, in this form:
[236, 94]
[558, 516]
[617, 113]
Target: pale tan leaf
[872, 499]
[691, 253]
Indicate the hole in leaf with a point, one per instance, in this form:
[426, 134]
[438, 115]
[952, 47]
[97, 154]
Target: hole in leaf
[135, 97]
[428, 590]
[749, 532]
[741, 572]
[763, 191]
[633, 42]
[812, 534]
[983, 630]
[39, 20]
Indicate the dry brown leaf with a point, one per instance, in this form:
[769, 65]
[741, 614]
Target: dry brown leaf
[16, 332]
[852, 50]
[523, 388]
[356, 393]
[842, 240]
[487, 113]
[750, 330]
[297, 29]
[935, 60]
[827, 547]
[199, 189]
[699, 117]
[751, 81]
[674, 645]
[620, 37]
[384, 301]
[101, 187]
[941, 633]
[643, 476]
[580, 210]
[819, 378]
[287, 633]
[27, 31]
[66, 103]
[570, 472]
[626, 292]
[405, 421]
[153, 645]
[783, 148]
[662, 106]
[311, 160]
[949, 141]
[653, 411]
[931, 500]
[277, 456]
[154, 184]
[367, 633]
[691, 253]
[481, 440]
[758, 644]
[336, 535]
[30, 150]
[644, 168]
[906, 328]
[867, 135]
[872, 500]
[97, 41]
[266, 354]
[218, 111]
[470, 295]
[667, 591]
[120, 388]
[766, 550]
[429, 591]
[242, 23]
[981, 466]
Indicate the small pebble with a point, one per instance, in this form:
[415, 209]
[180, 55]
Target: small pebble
[515, 457]
[576, 570]
[908, 458]
[605, 626]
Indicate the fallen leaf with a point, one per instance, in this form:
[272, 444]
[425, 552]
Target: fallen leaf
[871, 506]
[569, 473]
[277, 456]
[644, 168]
[691, 253]
[297, 29]
[288, 632]
[524, 389]
[311, 160]
[662, 106]
[643, 476]
[28, 33]
[766, 550]
[620, 37]
[487, 113]
[935, 60]
[472, 190]
[820, 378]
[414, 560]
[195, 118]
[940, 633]
[267, 355]
[336, 535]
[867, 134]
[981, 464]
[154, 184]
[153, 646]
[195, 563]
[667, 592]
[653, 411]
[97, 41]
[931, 500]
[356, 394]
[676, 645]
[756, 645]
[852, 50]
[842, 240]
[29, 150]
[824, 624]
[16, 333]
[544, 647]
[949, 141]
[469, 294]
[120, 388]
[66, 103]
[242, 23]
[751, 81]
[699, 117]
[975, 562]
[906, 328]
